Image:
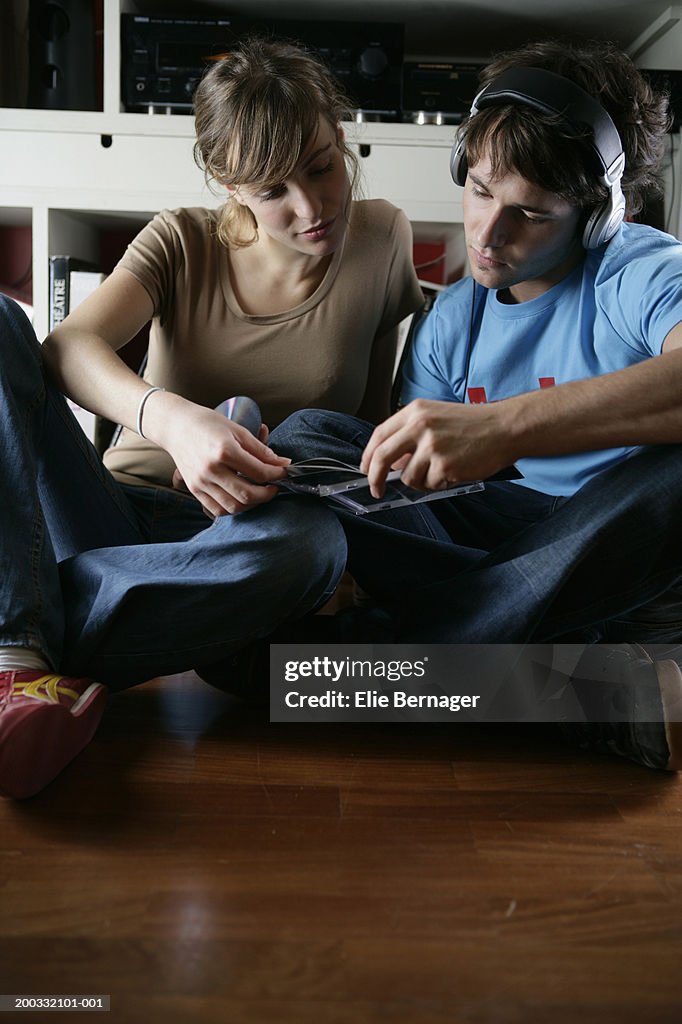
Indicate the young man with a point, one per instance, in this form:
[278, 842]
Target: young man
[562, 354]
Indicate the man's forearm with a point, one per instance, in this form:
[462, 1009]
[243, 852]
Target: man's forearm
[639, 405]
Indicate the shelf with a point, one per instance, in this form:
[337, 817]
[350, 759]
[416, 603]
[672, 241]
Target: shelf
[95, 122]
[147, 172]
[71, 178]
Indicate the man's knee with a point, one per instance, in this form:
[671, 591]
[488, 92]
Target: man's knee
[318, 432]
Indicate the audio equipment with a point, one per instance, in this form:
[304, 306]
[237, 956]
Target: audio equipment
[365, 58]
[549, 93]
[62, 55]
[162, 59]
[438, 91]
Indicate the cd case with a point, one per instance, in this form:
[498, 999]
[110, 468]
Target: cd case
[340, 484]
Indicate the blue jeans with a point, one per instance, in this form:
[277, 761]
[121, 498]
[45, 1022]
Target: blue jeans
[126, 583]
[512, 565]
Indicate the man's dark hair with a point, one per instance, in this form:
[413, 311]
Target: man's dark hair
[533, 144]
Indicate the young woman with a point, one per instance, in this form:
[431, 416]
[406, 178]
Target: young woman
[291, 293]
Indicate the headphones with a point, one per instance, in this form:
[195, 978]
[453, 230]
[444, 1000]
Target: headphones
[553, 94]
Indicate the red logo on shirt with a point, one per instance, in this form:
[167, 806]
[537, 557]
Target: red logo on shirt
[477, 396]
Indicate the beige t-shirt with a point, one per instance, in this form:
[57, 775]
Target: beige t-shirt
[316, 355]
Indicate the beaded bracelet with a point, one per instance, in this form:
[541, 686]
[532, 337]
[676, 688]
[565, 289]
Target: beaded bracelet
[140, 408]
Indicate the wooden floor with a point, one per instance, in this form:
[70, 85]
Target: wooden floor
[199, 864]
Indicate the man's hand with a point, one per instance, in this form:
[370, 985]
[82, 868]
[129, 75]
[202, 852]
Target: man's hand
[437, 444]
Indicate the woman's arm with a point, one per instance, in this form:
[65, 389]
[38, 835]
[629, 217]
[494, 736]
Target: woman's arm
[82, 352]
[213, 455]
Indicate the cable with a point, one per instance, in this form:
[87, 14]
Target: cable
[430, 263]
[669, 218]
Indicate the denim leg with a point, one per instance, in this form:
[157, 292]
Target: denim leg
[621, 547]
[510, 565]
[105, 589]
[57, 497]
[398, 556]
[159, 608]
[406, 532]
[656, 622]
[602, 554]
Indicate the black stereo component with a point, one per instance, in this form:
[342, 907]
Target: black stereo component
[438, 91]
[62, 55]
[366, 58]
[162, 59]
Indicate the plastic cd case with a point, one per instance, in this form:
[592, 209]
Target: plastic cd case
[344, 485]
[341, 484]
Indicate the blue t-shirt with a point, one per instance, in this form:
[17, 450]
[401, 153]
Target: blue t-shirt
[612, 311]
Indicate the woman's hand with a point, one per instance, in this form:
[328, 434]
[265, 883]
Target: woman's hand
[220, 462]
[437, 444]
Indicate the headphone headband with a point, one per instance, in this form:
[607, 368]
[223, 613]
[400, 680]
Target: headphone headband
[549, 93]
[582, 117]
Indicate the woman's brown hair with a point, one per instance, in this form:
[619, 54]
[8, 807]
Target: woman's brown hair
[256, 108]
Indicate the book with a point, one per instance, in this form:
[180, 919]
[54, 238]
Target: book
[71, 281]
[83, 283]
[60, 285]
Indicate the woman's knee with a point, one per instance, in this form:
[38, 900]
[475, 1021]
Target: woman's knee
[13, 320]
[291, 538]
[312, 541]
[17, 337]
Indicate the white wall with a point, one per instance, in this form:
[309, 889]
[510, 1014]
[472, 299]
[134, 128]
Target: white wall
[660, 48]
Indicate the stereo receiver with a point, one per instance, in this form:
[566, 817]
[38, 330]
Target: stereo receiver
[366, 58]
[164, 58]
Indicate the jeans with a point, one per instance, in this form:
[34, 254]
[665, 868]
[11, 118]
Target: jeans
[512, 565]
[126, 583]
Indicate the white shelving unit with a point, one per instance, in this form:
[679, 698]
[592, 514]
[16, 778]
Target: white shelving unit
[71, 173]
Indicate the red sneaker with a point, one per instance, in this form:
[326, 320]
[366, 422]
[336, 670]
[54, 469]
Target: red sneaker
[45, 720]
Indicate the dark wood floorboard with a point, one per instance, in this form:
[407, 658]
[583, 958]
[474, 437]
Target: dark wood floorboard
[197, 863]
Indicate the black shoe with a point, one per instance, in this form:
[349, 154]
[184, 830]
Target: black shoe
[632, 703]
[246, 674]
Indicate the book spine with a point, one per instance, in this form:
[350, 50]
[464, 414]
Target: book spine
[59, 289]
